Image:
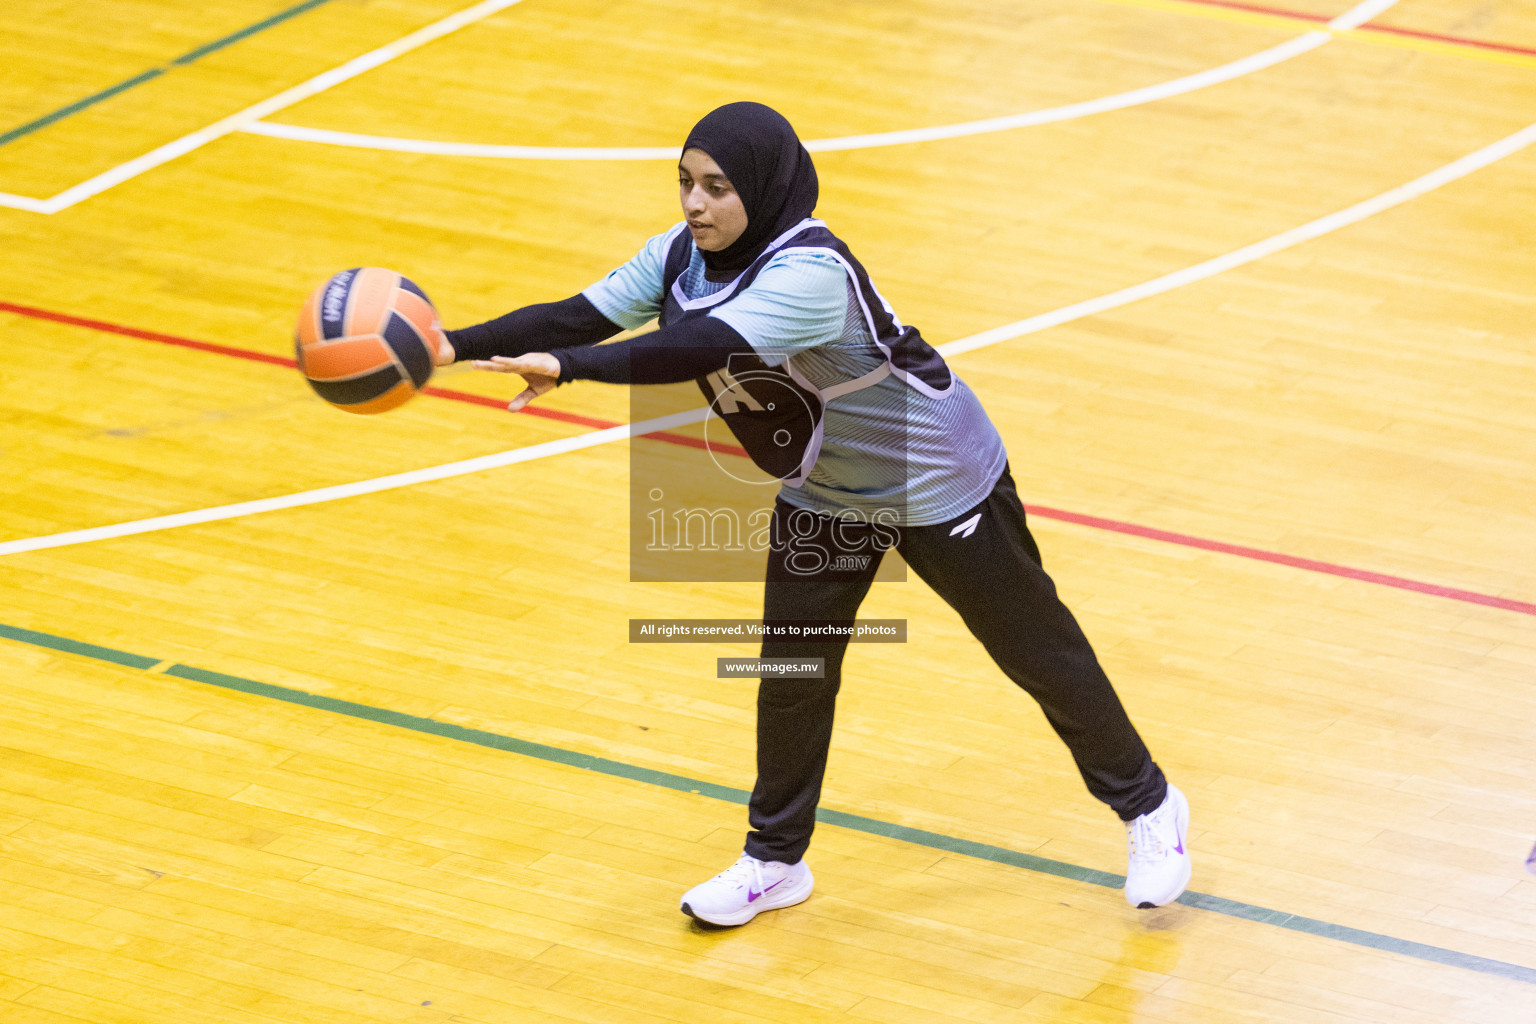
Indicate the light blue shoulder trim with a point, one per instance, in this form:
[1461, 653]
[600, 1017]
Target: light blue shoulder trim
[631, 295]
[730, 289]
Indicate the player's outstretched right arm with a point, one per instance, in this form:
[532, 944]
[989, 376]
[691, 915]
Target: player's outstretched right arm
[544, 327]
[628, 297]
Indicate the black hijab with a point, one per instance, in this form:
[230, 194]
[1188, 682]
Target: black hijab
[769, 168]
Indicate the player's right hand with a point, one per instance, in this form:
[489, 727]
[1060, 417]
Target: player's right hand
[540, 370]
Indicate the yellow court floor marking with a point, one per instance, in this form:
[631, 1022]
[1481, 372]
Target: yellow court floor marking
[1343, 26]
[1444, 175]
[856, 822]
[1251, 64]
[1362, 398]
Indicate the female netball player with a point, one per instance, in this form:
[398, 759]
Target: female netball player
[757, 300]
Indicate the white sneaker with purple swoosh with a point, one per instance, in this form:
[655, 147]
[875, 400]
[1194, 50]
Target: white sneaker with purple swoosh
[1159, 866]
[746, 889]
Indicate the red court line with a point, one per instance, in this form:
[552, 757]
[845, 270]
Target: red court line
[572, 417]
[1258, 9]
[1436, 37]
[1044, 512]
[1367, 27]
[263, 357]
[1311, 565]
[134, 332]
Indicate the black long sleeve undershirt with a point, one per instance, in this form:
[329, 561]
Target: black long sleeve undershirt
[544, 327]
[685, 350]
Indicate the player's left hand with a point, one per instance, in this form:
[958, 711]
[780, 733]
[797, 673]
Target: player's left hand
[540, 369]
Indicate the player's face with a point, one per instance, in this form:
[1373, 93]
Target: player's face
[716, 217]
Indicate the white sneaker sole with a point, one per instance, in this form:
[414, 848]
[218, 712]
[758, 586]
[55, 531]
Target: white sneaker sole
[776, 900]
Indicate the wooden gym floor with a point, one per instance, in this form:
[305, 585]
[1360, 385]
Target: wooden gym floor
[376, 755]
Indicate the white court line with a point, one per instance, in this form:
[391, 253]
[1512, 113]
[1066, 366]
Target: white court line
[27, 203]
[1248, 65]
[187, 143]
[1257, 251]
[383, 483]
[1353, 18]
[1199, 272]
[249, 120]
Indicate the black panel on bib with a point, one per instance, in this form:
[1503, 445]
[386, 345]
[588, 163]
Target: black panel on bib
[772, 415]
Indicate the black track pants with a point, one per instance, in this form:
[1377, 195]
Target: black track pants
[989, 571]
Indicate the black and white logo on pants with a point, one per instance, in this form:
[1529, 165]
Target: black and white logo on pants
[969, 526]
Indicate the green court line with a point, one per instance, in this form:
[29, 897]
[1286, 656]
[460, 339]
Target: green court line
[59, 643]
[153, 73]
[840, 819]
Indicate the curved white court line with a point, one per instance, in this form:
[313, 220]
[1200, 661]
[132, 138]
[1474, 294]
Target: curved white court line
[1353, 18]
[287, 98]
[249, 120]
[1248, 254]
[1268, 58]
